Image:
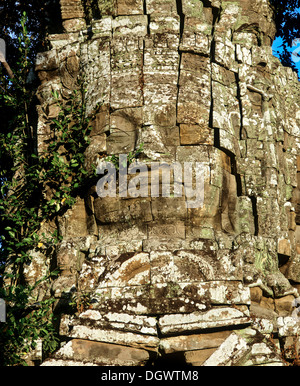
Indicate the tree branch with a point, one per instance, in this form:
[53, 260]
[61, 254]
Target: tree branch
[6, 66]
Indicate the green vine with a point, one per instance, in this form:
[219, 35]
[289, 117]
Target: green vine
[62, 166]
[131, 157]
[35, 188]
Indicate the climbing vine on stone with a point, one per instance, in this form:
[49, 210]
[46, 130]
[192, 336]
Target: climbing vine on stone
[34, 188]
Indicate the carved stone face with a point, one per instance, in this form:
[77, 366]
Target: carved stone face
[191, 81]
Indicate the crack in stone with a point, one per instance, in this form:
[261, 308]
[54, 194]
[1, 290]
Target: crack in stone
[148, 18]
[255, 214]
[182, 18]
[237, 79]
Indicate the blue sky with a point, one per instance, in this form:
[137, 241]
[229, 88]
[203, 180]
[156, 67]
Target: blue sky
[276, 47]
[278, 42]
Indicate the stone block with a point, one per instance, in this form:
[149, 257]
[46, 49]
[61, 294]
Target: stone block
[292, 348]
[74, 25]
[226, 113]
[195, 135]
[262, 354]
[121, 321]
[225, 54]
[233, 349]
[168, 208]
[167, 231]
[267, 303]
[102, 353]
[192, 154]
[171, 245]
[71, 9]
[64, 286]
[161, 7]
[228, 141]
[214, 318]
[160, 24]
[210, 207]
[159, 142]
[67, 256]
[195, 265]
[116, 233]
[89, 275]
[245, 221]
[64, 363]
[198, 357]
[194, 98]
[74, 221]
[94, 151]
[284, 247]
[101, 123]
[46, 61]
[160, 76]
[126, 271]
[124, 126]
[256, 294]
[206, 231]
[288, 326]
[126, 90]
[126, 54]
[298, 163]
[164, 297]
[195, 40]
[115, 337]
[229, 203]
[123, 247]
[37, 268]
[159, 109]
[284, 306]
[193, 342]
[294, 269]
[115, 210]
[129, 7]
[135, 25]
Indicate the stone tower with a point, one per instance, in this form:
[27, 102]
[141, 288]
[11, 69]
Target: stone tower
[185, 81]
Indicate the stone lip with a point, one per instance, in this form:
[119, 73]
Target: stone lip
[101, 354]
[214, 318]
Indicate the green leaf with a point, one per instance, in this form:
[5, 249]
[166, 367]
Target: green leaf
[12, 234]
[27, 240]
[55, 94]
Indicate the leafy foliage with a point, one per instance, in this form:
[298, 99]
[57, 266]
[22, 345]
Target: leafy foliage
[26, 324]
[288, 27]
[43, 17]
[131, 157]
[34, 188]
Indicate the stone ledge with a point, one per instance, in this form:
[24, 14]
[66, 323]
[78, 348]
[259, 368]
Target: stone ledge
[101, 354]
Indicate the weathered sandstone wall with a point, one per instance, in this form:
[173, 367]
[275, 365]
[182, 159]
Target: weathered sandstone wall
[193, 81]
